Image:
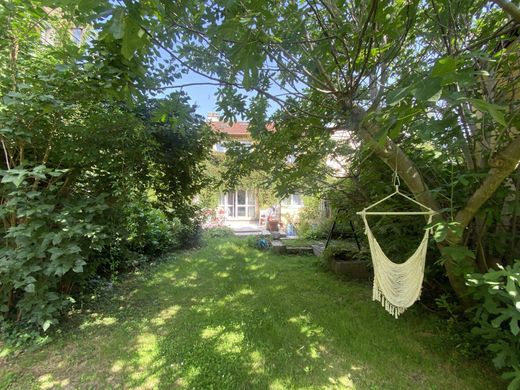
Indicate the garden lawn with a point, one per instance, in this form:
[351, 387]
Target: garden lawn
[226, 316]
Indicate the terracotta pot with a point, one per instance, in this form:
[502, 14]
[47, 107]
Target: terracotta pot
[273, 226]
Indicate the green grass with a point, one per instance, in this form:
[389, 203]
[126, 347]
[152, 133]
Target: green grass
[226, 316]
[299, 241]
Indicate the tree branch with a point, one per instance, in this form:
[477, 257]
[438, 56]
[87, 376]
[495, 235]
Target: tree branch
[392, 155]
[502, 165]
[185, 85]
[509, 8]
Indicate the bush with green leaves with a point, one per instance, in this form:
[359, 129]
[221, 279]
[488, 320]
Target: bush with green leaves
[344, 251]
[497, 317]
[46, 250]
[309, 216]
[220, 231]
[316, 231]
[150, 231]
[79, 145]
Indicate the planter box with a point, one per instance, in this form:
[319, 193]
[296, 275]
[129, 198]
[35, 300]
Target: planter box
[298, 250]
[356, 269]
[272, 226]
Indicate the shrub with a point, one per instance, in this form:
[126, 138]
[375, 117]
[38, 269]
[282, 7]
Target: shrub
[318, 231]
[74, 156]
[497, 316]
[220, 231]
[151, 232]
[344, 251]
[45, 252]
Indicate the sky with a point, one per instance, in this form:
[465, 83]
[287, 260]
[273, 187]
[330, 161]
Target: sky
[203, 96]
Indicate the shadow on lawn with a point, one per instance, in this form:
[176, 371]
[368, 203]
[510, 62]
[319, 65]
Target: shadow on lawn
[229, 317]
[244, 331]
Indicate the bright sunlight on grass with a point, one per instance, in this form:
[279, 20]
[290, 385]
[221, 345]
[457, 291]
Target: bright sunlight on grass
[226, 316]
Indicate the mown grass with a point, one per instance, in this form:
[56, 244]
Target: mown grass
[227, 316]
[299, 242]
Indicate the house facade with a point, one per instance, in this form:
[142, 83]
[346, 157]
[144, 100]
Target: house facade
[242, 204]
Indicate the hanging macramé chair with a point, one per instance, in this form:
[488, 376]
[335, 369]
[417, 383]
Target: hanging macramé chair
[397, 286]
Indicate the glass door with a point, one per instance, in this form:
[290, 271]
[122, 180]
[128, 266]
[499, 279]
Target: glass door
[239, 204]
[231, 212]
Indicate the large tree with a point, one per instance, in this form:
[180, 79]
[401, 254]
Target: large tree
[79, 148]
[442, 73]
[402, 76]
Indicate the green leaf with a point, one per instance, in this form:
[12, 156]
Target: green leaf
[30, 288]
[429, 89]
[14, 176]
[457, 253]
[496, 111]
[513, 324]
[395, 130]
[440, 231]
[131, 39]
[395, 97]
[78, 267]
[46, 325]
[117, 26]
[444, 66]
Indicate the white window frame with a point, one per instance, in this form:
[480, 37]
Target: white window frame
[219, 147]
[289, 201]
[224, 197]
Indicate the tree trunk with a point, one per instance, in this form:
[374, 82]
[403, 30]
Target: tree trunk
[397, 160]
[502, 165]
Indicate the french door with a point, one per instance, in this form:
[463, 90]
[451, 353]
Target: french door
[239, 204]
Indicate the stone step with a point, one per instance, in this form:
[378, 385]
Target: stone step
[299, 249]
[278, 246]
[248, 233]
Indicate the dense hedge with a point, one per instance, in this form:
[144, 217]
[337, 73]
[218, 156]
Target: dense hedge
[94, 177]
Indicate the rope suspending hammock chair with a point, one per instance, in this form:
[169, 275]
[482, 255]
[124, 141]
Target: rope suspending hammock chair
[397, 286]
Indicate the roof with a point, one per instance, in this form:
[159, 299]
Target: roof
[237, 128]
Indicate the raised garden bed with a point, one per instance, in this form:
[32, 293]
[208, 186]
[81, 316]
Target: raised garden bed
[356, 269]
[347, 261]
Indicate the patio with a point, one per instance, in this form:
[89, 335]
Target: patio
[246, 228]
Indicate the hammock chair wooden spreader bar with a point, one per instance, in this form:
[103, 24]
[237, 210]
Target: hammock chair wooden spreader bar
[397, 286]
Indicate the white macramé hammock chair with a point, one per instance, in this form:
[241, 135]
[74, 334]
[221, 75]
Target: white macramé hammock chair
[397, 286]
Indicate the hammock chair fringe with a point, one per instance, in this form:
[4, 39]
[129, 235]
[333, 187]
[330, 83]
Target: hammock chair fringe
[395, 311]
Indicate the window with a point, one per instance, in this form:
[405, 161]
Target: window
[293, 200]
[240, 203]
[296, 200]
[219, 148]
[248, 145]
[48, 36]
